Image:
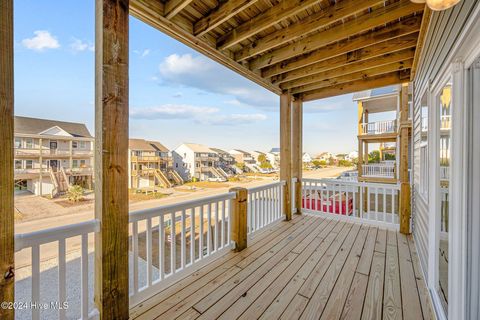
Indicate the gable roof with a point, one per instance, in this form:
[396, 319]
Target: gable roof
[196, 147]
[140, 145]
[219, 151]
[26, 125]
[158, 146]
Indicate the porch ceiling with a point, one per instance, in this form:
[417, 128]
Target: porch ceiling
[310, 48]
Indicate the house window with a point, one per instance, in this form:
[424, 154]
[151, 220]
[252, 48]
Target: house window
[29, 143]
[28, 164]
[74, 144]
[423, 183]
[82, 145]
[75, 164]
[18, 143]
[83, 164]
[18, 164]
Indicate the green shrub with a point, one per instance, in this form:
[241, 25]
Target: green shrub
[75, 193]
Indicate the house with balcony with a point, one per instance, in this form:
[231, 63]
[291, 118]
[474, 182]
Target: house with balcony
[383, 135]
[52, 155]
[245, 159]
[193, 161]
[296, 248]
[227, 162]
[150, 165]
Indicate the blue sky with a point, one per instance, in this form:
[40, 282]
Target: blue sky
[176, 94]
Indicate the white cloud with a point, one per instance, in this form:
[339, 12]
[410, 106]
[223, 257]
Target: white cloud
[78, 45]
[143, 53]
[204, 74]
[198, 114]
[41, 41]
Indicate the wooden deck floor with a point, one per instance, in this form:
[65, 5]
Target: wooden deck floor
[308, 268]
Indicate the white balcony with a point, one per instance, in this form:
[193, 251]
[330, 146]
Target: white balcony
[379, 127]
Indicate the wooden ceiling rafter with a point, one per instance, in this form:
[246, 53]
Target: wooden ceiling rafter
[309, 48]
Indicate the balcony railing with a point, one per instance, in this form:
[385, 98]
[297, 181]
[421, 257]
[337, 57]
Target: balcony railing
[166, 243]
[361, 201]
[379, 127]
[445, 122]
[444, 172]
[379, 170]
[265, 206]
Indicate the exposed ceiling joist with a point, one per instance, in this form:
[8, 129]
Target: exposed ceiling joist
[274, 15]
[151, 12]
[173, 7]
[361, 24]
[357, 85]
[392, 34]
[222, 13]
[358, 75]
[367, 53]
[319, 20]
[350, 68]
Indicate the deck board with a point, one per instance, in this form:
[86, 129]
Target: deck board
[307, 268]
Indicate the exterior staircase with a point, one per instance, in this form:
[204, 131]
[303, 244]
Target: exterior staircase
[162, 178]
[251, 167]
[60, 182]
[175, 177]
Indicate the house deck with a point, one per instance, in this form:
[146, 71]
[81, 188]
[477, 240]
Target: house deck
[307, 268]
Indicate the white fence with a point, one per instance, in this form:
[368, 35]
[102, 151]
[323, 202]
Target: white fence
[379, 127]
[265, 206]
[380, 170]
[360, 201]
[168, 254]
[59, 236]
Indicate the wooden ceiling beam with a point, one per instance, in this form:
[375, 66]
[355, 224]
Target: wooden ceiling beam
[359, 75]
[321, 19]
[367, 53]
[173, 7]
[361, 24]
[272, 16]
[151, 13]
[219, 15]
[427, 13]
[385, 38]
[350, 68]
[355, 86]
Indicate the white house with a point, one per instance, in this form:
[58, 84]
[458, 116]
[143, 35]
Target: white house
[352, 156]
[51, 155]
[193, 160]
[325, 156]
[306, 158]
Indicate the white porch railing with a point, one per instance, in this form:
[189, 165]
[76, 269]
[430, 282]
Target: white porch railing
[445, 122]
[381, 170]
[81, 298]
[444, 172]
[169, 241]
[379, 127]
[166, 243]
[265, 206]
[357, 201]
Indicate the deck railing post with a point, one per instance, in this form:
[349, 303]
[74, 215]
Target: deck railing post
[7, 271]
[239, 218]
[405, 194]
[111, 159]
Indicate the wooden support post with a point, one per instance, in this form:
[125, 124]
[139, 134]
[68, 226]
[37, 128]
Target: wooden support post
[297, 151]
[239, 218]
[111, 159]
[7, 250]
[286, 151]
[405, 205]
[40, 177]
[360, 141]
